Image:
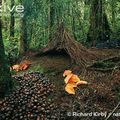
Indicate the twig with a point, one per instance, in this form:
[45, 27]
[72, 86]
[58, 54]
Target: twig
[112, 111]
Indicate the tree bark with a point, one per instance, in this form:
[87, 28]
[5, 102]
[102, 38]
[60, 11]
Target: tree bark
[113, 3]
[5, 20]
[5, 77]
[99, 30]
[22, 42]
[23, 35]
[12, 20]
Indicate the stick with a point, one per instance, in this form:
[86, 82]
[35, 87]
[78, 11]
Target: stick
[112, 111]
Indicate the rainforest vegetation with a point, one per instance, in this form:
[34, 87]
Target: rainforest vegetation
[59, 57]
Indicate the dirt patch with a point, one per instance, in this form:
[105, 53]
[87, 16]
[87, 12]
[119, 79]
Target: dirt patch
[101, 95]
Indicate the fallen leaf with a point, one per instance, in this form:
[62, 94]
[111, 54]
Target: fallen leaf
[16, 67]
[72, 81]
[68, 77]
[27, 62]
[70, 88]
[82, 83]
[67, 72]
[23, 66]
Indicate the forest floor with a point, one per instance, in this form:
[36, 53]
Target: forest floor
[101, 95]
[98, 98]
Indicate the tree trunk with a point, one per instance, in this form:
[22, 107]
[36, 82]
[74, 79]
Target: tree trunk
[12, 20]
[99, 30]
[5, 78]
[23, 44]
[113, 3]
[23, 35]
[5, 20]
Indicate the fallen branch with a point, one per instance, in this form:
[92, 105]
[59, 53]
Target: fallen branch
[115, 60]
[112, 111]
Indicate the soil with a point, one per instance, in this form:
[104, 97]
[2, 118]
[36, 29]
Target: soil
[101, 95]
[92, 102]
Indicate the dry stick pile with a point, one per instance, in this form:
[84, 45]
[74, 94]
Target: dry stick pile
[62, 41]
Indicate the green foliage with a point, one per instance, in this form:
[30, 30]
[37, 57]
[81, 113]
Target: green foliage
[35, 68]
[11, 48]
[74, 14]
